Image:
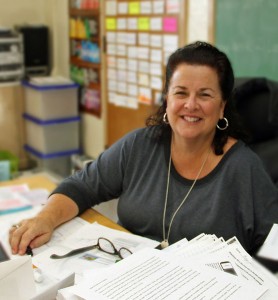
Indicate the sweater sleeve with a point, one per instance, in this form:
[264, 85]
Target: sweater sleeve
[102, 179]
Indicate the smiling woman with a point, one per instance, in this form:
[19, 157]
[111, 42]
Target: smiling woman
[187, 172]
[200, 72]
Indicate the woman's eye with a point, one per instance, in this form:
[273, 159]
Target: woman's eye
[180, 93]
[205, 95]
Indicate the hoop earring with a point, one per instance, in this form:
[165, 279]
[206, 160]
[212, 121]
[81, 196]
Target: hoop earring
[226, 125]
[165, 120]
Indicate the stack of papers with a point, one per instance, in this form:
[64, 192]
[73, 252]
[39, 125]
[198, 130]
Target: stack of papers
[269, 249]
[94, 259]
[206, 267]
[76, 233]
[18, 198]
[12, 200]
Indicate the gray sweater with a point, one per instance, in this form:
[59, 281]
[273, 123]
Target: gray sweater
[237, 198]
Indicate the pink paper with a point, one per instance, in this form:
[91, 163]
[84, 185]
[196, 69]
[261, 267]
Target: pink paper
[170, 24]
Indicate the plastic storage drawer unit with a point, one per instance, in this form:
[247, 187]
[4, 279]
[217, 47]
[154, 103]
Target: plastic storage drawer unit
[52, 136]
[58, 163]
[51, 102]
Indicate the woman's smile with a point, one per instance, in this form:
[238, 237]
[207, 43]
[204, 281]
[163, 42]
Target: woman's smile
[190, 119]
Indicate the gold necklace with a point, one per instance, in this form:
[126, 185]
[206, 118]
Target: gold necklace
[165, 242]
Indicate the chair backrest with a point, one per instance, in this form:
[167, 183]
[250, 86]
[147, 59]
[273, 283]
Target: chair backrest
[256, 100]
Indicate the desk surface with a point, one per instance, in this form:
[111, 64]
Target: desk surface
[34, 182]
[43, 181]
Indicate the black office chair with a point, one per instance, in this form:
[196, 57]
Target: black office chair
[256, 100]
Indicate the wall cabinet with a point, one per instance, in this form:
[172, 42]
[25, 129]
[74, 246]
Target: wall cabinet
[85, 53]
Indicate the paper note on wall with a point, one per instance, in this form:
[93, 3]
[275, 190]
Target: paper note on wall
[121, 23]
[146, 7]
[122, 8]
[132, 23]
[145, 95]
[143, 23]
[156, 24]
[111, 24]
[170, 24]
[158, 7]
[111, 8]
[134, 8]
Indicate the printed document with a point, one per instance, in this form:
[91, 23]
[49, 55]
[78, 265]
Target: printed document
[152, 274]
[94, 259]
[270, 247]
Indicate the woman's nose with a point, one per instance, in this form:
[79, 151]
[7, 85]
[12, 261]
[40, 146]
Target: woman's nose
[191, 102]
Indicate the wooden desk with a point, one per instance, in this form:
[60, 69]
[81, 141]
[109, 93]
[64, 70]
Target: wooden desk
[43, 181]
[33, 181]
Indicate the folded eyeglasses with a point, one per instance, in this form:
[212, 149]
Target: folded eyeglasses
[103, 245]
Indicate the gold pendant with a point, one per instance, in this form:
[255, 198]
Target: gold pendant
[164, 244]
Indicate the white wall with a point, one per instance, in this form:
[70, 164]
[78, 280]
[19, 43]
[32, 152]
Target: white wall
[22, 11]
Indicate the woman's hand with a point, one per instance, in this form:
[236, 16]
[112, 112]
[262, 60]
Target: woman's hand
[32, 232]
[36, 231]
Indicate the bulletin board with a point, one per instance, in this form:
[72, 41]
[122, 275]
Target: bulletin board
[247, 32]
[139, 37]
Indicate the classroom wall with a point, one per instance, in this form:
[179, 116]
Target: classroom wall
[51, 13]
[54, 14]
[22, 11]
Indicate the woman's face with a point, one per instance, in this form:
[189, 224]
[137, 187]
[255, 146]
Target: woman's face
[194, 102]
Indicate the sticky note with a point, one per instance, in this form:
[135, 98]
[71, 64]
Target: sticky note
[111, 24]
[143, 23]
[134, 8]
[170, 24]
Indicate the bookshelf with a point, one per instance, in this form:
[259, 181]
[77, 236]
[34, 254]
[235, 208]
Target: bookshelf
[85, 53]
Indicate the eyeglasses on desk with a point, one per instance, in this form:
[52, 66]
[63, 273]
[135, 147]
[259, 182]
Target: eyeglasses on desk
[103, 245]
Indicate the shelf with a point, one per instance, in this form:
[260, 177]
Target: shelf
[83, 64]
[77, 21]
[91, 85]
[94, 86]
[93, 39]
[74, 12]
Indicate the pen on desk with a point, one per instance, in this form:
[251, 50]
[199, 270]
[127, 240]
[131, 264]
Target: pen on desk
[29, 251]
